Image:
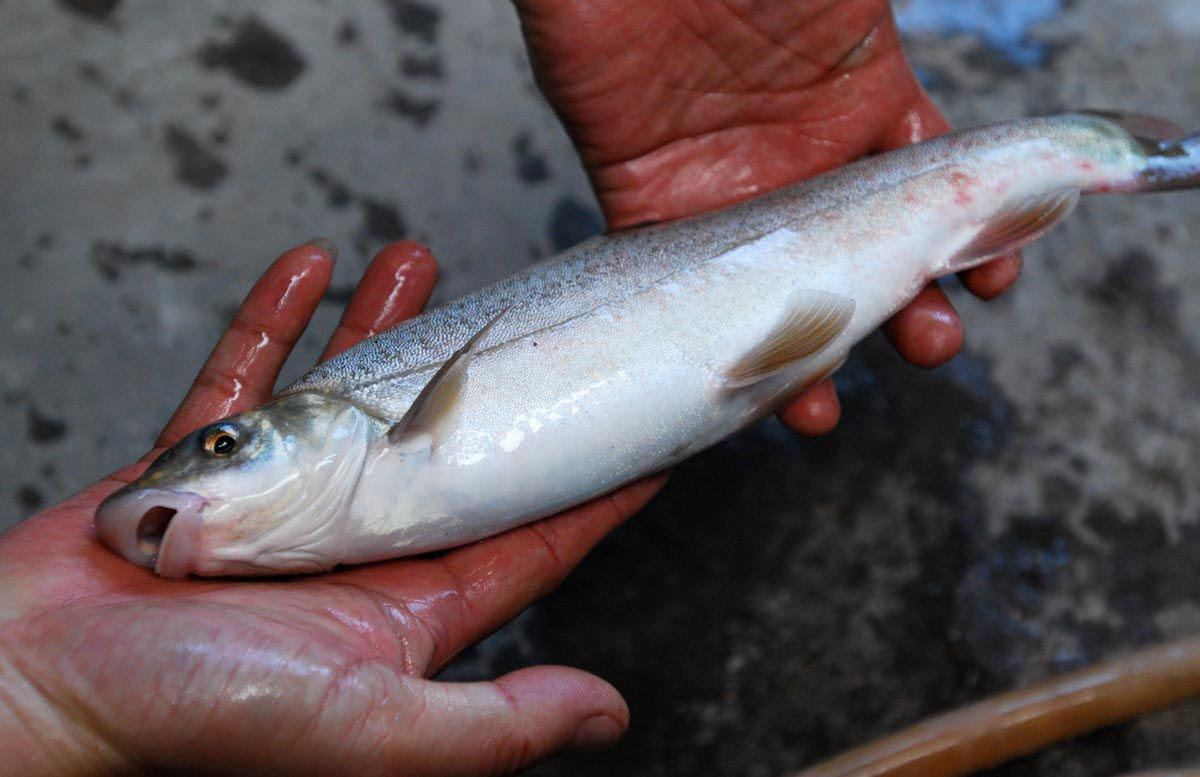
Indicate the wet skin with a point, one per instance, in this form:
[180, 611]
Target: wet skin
[106, 668]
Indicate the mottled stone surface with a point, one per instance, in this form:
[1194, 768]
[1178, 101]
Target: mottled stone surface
[1027, 509]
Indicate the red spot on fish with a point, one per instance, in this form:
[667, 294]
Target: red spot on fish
[1087, 167]
[962, 184]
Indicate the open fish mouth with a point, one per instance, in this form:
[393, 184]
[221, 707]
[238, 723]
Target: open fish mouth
[153, 527]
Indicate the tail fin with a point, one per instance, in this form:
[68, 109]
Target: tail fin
[1172, 156]
[1176, 165]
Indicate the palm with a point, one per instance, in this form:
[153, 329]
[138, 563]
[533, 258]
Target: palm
[336, 663]
[717, 101]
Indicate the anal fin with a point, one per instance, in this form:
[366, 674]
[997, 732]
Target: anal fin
[814, 320]
[1016, 225]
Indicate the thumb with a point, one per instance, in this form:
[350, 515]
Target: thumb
[511, 723]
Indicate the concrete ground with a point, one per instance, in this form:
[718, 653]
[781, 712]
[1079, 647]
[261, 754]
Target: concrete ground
[1029, 508]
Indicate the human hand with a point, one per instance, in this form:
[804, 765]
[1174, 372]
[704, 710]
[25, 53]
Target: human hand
[105, 667]
[678, 109]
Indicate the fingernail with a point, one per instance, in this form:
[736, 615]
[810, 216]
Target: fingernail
[596, 732]
[326, 245]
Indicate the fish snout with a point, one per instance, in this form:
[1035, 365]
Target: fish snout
[153, 527]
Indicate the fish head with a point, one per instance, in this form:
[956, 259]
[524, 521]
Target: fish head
[262, 492]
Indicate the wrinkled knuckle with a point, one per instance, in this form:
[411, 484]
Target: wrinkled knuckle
[261, 330]
[228, 383]
[550, 545]
[513, 754]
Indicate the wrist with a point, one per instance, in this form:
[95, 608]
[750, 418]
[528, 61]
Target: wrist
[36, 736]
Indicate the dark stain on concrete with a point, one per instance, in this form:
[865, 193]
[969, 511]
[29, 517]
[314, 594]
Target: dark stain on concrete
[21, 94]
[337, 194]
[110, 259]
[347, 33]
[29, 498]
[572, 222]
[419, 110]
[1064, 358]
[339, 294]
[124, 98]
[98, 10]
[1059, 494]
[531, 166]
[1133, 286]
[195, 165]
[417, 66]
[382, 220]
[66, 129]
[472, 161]
[210, 101]
[256, 55]
[935, 79]
[91, 73]
[44, 429]
[988, 60]
[415, 18]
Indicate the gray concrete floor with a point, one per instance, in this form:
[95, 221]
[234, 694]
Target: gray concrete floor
[1029, 508]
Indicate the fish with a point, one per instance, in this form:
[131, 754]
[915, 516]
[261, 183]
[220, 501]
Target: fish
[618, 358]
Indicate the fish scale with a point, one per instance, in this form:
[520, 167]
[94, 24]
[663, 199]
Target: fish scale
[618, 358]
[598, 271]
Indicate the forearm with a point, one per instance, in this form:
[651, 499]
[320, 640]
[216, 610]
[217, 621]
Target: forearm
[37, 738]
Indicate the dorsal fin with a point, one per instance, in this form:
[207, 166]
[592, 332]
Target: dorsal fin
[1017, 224]
[814, 319]
[1153, 132]
[435, 401]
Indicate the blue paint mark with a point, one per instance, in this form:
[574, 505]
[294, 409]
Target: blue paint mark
[1003, 25]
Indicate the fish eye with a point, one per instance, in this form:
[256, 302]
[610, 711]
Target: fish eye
[221, 440]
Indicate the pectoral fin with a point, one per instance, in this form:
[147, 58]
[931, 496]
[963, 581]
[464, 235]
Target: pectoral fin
[814, 320]
[1016, 225]
[435, 402]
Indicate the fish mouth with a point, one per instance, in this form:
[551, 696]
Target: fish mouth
[153, 527]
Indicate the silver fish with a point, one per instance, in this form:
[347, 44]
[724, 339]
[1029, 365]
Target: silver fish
[620, 357]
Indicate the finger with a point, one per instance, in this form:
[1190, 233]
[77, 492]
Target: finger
[814, 412]
[506, 725]
[468, 593]
[988, 281]
[396, 285]
[241, 370]
[928, 332]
